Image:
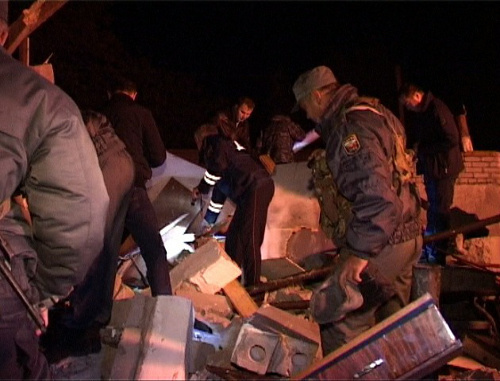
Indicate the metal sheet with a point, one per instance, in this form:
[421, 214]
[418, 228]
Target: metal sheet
[173, 201]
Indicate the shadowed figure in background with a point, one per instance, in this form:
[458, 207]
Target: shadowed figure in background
[434, 136]
[279, 137]
[136, 127]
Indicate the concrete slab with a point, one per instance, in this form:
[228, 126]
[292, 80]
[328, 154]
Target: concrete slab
[155, 340]
[206, 305]
[173, 201]
[254, 349]
[166, 354]
[209, 268]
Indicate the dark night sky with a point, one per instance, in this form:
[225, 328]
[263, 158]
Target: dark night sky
[236, 48]
[448, 47]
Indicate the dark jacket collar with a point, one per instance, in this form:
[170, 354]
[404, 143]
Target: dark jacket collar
[344, 95]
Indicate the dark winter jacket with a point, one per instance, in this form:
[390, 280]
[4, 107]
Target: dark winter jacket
[136, 127]
[230, 170]
[45, 149]
[433, 133]
[360, 147]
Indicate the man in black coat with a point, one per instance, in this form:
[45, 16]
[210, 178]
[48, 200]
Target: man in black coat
[232, 172]
[136, 127]
[434, 136]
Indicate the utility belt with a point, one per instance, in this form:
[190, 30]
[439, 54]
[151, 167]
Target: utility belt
[405, 232]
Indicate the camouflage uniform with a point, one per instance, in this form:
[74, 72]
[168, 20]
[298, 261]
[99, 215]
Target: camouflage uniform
[279, 137]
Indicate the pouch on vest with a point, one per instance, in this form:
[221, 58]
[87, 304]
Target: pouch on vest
[335, 208]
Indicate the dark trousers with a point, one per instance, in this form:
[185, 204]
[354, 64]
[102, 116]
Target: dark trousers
[395, 263]
[246, 232]
[440, 194]
[92, 300]
[142, 224]
[20, 357]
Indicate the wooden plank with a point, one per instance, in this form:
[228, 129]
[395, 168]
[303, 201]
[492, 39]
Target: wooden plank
[410, 344]
[240, 299]
[30, 20]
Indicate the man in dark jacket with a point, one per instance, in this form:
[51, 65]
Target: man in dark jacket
[135, 126]
[233, 173]
[46, 153]
[434, 136]
[383, 231]
[235, 123]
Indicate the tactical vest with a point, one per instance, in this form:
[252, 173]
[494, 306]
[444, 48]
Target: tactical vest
[336, 211]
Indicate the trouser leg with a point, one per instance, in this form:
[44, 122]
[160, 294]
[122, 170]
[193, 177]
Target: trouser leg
[440, 195]
[20, 356]
[142, 223]
[395, 263]
[92, 299]
[246, 232]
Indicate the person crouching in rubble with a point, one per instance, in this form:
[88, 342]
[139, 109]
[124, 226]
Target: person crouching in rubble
[47, 154]
[370, 202]
[232, 172]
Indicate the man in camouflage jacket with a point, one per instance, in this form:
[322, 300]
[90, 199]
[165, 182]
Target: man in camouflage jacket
[279, 137]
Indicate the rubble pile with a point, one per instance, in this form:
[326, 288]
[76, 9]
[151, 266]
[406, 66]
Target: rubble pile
[215, 329]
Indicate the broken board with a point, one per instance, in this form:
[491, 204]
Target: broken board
[410, 344]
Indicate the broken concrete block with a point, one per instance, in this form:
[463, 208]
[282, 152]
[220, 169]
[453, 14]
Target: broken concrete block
[272, 318]
[305, 242]
[209, 268]
[254, 349]
[292, 356]
[455, 279]
[299, 339]
[155, 340]
[226, 343]
[207, 307]
[199, 353]
[484, 251]
[278, 268]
